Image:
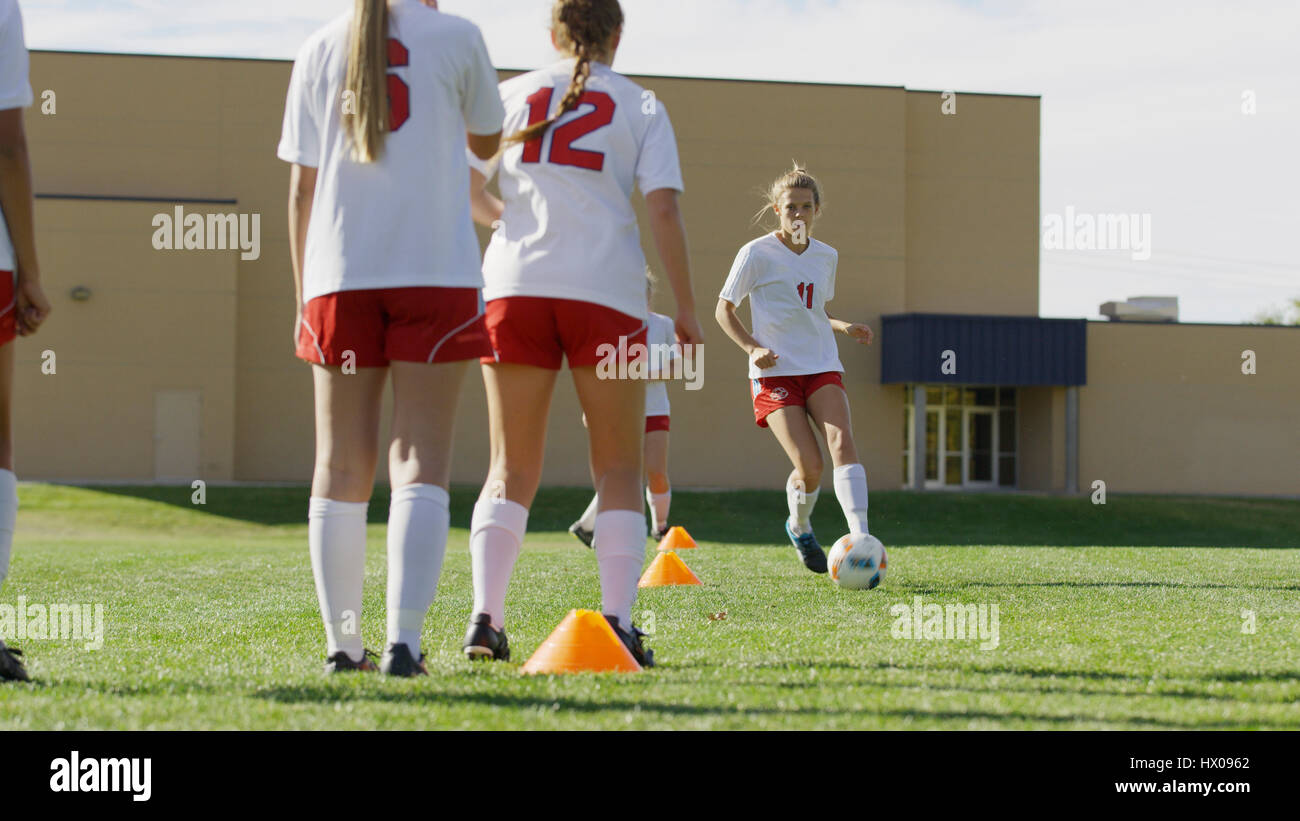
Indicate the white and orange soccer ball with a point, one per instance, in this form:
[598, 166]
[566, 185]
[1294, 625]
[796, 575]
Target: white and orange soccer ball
[857, 561]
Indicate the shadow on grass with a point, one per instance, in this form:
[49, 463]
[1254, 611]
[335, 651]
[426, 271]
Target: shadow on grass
[299, 695]
[899, 518]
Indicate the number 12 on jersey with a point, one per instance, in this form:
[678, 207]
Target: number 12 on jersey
[806, 296]
[562, 151]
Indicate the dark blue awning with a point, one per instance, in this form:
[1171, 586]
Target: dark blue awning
[988, 350]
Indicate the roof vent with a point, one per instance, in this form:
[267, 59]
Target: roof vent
[1142, 309]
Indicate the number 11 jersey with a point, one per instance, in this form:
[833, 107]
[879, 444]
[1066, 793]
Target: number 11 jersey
[569, 230]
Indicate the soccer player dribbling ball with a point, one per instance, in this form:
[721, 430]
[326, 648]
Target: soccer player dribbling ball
[794, 366]
[658, 492]
[381, 105]
[23, 303]
[564, 274]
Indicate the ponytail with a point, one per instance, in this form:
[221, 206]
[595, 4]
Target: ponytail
[365, 121]
[583, 28]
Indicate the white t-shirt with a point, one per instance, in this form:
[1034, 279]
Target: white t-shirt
[660, 330]
[569, 230]
[15, 92]
[787, 294]
[404, 220]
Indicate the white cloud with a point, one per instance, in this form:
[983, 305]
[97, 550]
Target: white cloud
[1141, 101]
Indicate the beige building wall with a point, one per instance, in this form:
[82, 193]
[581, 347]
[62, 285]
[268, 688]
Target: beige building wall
[155, 322]
[199, 128]
[972, 203]
[1041, 417]
[1167, 409]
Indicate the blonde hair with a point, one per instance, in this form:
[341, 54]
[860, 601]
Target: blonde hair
[796, 177]
[366, 123]
[582, 28]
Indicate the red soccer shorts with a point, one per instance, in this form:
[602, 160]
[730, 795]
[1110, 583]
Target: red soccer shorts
[773, 392]
[654, 423]
[543, 331]
[381, 325]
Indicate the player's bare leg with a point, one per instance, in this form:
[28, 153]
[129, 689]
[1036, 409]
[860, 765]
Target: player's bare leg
[615, 410]
[347, 450]
[419, 468]
[829, 408]
[658, 489]
[519, 403]
[792, 429]
[11, 668]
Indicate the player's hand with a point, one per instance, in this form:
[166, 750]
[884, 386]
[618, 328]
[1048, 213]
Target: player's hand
[688, 329]
[763, 358]
[31, 307]
[860, 332]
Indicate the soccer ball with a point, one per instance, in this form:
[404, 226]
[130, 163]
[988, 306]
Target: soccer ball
[857, 561]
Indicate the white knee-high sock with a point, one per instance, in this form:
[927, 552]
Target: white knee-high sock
[620, 551]
[659, 503]
[336, 535]
[496, 535]
[588, 520]
[8, 517]
[851, 490]
[801, 502]
[417, 542]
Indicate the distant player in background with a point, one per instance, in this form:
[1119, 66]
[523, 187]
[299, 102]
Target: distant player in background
[23, 303]
[658, 492]
[564, 274]
[794, 366]
[386, 265]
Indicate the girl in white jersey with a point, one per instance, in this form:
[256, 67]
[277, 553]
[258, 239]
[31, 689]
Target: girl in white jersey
[794, 365]
[23, 306]
[658, 491]
[564, 275]
[386, 265]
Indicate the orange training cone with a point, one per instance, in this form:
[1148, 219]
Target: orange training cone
[583, 643]
[667, 569]
[677, 539]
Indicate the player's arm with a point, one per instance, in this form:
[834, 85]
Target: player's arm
[31, 306]
[855, 330]
[484, 146]
[669, 231]
[485, 208]
[302, 191]
[725, 313]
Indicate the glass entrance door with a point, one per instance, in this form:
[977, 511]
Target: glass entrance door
[980, 447]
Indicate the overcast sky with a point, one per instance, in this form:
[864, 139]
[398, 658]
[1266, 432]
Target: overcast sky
[1142, 103]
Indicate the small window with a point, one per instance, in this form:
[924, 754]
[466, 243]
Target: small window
[1007, 397]
[952, 396]
[933, 397]
[986, 397]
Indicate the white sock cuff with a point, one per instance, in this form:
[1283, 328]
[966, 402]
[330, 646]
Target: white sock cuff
[503, 513]
[850, 470]
[628, 531]
[432, 493]
[318, 507]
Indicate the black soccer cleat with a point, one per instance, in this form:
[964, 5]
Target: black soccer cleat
[340, 662]
[482, 641]
[810, 553]
[632, 641]
[11, 669]
[399, 661]
[581, 533]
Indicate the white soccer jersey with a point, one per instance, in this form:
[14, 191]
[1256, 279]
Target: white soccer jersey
[15, 92]
[569, 230]
[403, 220]
[787, 294]
[660, 330]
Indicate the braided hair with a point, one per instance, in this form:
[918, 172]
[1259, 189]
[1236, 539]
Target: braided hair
[582, 28]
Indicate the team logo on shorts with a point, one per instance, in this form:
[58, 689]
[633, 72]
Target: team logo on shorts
[778, 393]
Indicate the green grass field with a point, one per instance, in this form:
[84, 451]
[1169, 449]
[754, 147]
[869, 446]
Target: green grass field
[1122, 616]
